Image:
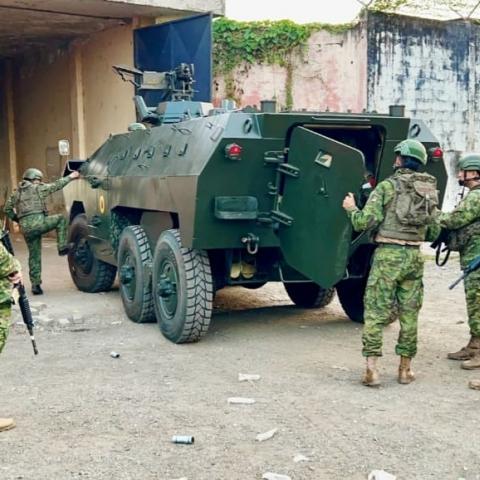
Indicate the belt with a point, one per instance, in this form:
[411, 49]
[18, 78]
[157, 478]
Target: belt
[397, 245]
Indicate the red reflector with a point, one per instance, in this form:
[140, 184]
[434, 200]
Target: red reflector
[437, 153]
[233, 150]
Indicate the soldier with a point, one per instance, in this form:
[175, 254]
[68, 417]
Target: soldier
[401, 218]
[9, 274]
[463, 225]
[27, 206]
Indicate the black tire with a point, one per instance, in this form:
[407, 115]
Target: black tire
[88, 273]
[182, 289]
[350, 293]
[134, 257]
[309, 294]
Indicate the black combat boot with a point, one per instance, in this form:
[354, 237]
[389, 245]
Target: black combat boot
[64, 249]
[37, 290]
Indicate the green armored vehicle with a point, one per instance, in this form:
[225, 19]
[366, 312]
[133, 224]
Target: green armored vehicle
[194, 199]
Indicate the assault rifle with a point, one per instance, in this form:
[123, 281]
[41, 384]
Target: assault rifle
[23, 302]
[471, 267]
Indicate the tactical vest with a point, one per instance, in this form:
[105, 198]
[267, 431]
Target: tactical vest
[458, 239]
[29, 200]
[410, 211]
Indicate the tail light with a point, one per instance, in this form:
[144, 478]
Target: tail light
[233, 151]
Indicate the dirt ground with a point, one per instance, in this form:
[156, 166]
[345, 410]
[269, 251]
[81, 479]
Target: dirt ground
[82, 414]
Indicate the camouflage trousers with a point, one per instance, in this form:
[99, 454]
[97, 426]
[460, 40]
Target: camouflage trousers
[33, 227]
[395, 277]
[472, 296]
[5, 310]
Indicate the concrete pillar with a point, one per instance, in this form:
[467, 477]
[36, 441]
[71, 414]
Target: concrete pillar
[11, 138]
[78, 149]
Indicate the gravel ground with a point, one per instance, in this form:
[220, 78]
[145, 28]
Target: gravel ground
[82, 414]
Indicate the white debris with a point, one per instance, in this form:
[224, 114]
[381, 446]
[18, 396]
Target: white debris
[241, 400]
[339, 367]
[248, 377]
[381, 475]
[275, 476]
[300, 458]
[261, 437]
[63, 322]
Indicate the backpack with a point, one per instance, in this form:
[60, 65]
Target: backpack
[416, 198]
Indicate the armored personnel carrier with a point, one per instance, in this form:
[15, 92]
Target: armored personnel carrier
[194, 198]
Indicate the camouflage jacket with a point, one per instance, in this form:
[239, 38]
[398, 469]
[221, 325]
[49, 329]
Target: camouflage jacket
[44, 190]
[373, 213]
[466, 213]
[8, 265]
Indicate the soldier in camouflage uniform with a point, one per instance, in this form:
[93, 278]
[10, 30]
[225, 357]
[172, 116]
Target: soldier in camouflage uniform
[9, 274]
[463, 225]
[401, 218]
[27, 206]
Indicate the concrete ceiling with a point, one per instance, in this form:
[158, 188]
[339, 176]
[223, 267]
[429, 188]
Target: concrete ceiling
[31, 24]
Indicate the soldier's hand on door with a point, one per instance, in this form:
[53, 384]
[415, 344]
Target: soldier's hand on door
[74, 175]
[349, 201]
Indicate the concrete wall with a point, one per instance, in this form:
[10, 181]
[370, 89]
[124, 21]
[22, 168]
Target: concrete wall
[433, 69]
[42, 108]
[108, 106]
[331, 74]
[4, 150]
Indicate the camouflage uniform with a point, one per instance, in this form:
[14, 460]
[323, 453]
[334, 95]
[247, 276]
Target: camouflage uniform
[467, 213]
[396, 275]
[8, 265]
[34, 225]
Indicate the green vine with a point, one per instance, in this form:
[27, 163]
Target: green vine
[236, 43]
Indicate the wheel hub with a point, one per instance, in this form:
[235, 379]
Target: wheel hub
[126, 274]
[165, 287]
[83, 256]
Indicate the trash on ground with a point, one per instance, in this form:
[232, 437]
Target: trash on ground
[381, 475]
[261, 437]
[339, 367]
[187, 439]
[248, 377]
[300, 458]
[114, 354]
[241, 400]
[275, 476]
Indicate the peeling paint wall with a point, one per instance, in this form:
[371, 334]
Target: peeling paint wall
[433, 69]
[331, 74]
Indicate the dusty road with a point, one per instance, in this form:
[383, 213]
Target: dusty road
[82, 414]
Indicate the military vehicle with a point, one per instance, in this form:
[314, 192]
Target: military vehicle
[195, 198]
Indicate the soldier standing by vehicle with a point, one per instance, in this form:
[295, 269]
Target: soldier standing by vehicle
[9, 275]
[27, 207]
[463, 225]
[400, 210]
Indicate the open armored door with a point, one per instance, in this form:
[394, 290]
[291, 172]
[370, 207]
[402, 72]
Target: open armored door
[315, 232]
[163, 47]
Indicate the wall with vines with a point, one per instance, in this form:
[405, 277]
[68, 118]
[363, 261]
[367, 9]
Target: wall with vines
[261, 60]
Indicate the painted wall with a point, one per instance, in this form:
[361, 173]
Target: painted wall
[4, 151]
[331, 74]
[433, 69]
[107, 99]
[42, 107]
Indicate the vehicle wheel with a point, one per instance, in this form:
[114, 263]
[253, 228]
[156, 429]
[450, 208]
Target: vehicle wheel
[182, 289]
[134, 256]
[309, 294]
[350, 293]
[88, 272]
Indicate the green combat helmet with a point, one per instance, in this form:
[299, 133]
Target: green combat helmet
[32, 174]
[412, 148]
[471, 161]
